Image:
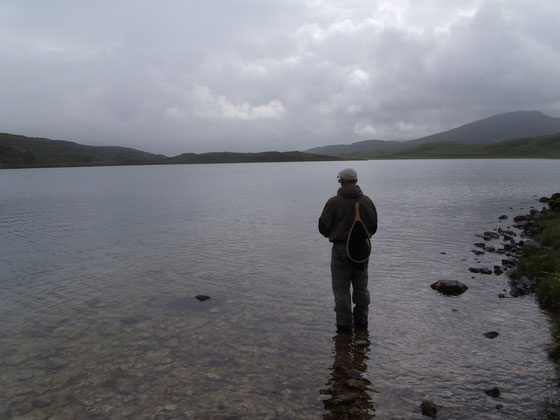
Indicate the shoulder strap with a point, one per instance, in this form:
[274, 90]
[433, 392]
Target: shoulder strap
[357, 216]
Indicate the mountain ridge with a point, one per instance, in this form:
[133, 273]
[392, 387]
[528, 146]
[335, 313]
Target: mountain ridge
[488, 130]
[528, 147]
[18, 151]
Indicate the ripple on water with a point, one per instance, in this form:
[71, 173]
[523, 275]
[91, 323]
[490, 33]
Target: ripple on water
[98, 315]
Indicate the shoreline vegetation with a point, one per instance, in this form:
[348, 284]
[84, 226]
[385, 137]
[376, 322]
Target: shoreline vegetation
[540, 263]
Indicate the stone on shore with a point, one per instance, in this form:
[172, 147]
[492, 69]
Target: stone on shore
[491, 235]
[449, 287]
[530, 244]
[521, 286]
[554, 202]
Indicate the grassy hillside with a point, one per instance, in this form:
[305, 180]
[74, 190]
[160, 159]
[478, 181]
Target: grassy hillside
[27, 152]
[531, 147]
[21, 151]
[229, 157]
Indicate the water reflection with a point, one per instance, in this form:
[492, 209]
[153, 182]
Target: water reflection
[348, 387]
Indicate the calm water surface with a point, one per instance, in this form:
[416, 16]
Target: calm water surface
[99, 268]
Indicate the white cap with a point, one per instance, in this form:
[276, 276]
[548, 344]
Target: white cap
[348, 174]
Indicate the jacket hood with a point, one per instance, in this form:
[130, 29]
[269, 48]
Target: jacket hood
[350, 191]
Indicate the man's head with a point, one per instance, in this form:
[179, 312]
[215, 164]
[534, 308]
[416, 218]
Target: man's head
[347, 176]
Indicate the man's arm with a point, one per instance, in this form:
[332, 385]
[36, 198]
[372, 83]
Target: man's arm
[323, 229]
[325, 221]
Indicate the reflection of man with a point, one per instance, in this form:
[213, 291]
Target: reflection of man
[348, 389]
[335, 223]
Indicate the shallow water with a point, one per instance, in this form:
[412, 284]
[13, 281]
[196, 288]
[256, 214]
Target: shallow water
[99, 269]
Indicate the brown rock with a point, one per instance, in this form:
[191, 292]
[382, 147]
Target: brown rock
[449, 287]
[429, 408]
[493, 392]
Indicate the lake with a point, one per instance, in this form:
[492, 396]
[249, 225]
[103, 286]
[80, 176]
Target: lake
[99, 269]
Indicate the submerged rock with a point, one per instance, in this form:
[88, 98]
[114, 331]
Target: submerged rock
[449, 287]
[354, 373]
[429, 408]
[202, 298]
[493, 392]
[491, 334]
[355, 383]
[492, 235]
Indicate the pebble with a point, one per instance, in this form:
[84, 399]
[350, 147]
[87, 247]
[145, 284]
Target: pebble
[492, 392]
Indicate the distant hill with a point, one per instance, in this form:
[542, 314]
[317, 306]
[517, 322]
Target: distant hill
[488, 130]
[28, 152]
[529, 147]
[359, 146]
[21, 151]
[229, 157]
[512, 125]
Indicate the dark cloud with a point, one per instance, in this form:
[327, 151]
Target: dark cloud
[258, 75]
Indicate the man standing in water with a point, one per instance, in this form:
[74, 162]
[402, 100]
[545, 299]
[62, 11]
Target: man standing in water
[335, 223]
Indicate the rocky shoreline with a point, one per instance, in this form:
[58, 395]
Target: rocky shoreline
[511, 243]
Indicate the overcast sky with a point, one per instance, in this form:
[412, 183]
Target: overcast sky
[253, 75]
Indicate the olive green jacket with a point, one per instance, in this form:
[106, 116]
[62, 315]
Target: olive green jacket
[338, 215]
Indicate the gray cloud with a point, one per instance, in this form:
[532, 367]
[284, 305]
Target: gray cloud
[250, 75]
